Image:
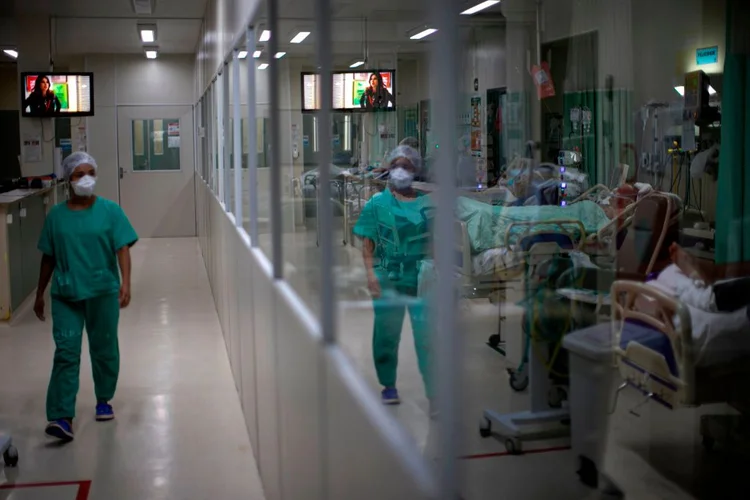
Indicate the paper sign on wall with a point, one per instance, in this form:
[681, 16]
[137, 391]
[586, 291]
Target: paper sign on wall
[32, 148]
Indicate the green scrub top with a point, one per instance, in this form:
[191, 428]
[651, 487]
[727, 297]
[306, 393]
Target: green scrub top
[84, 244]
[410, 218]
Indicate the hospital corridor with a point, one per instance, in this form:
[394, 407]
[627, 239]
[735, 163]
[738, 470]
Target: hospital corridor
[338, 250]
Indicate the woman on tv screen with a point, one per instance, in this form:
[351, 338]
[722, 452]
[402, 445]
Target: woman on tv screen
[42, 101]
[376, 96]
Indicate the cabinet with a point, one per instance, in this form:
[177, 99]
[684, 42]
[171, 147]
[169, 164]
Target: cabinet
[23, 218]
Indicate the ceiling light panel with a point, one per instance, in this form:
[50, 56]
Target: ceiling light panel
[12, 53]
[263, 66]
[265, 36]
[279, 55]
[257, 54]
[300, 37]
[480, 7]
[423, 34]
[242, 54]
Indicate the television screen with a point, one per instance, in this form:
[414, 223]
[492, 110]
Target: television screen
[48, 94]
[353, 90]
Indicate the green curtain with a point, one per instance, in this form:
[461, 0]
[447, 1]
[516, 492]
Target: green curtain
[604, 145]
[733, 209]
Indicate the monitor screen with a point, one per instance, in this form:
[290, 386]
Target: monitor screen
[48, 94]
[353, 91]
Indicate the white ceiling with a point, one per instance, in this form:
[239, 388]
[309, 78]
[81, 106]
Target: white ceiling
[388, 25]
[95, 36]
[108, 8]
[110, 26]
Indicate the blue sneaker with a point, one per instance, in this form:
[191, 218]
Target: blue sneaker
[104, 412]
[60, 429]
[390, 396]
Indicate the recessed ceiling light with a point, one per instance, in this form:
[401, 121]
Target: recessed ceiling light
[151, 54]
[263, 66]
[12, 53]
[257, 54]
[300, 37]
[711, 90]
[480, 7]
[242, 54]
[357, 64]
[279, 55]
[680, 90]
[265, 36]
[423, 34]
[148, 36]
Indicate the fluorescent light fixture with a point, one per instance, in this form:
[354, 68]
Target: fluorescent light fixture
[423, 34]
[680, 90]
[265, 36]
[279, 55]
[257, 54]
[480, 7]
[242, 54]
[357, 65]
[263, 66]
[148, 36]
[151, 54]
[711, 90]
[12, 53]
[300, 37]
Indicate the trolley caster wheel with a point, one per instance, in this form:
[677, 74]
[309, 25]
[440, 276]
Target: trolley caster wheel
[485, 428]
[518, 381]
[556, 397]
[11, 456]
[494, 340]
[513, 446]
[588, 473]
[708, 443]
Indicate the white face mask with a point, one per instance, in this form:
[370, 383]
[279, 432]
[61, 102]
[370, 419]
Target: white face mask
[85, 186]
[400, 178]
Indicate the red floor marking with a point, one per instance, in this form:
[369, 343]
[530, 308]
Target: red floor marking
[505, 453]
[83, 487]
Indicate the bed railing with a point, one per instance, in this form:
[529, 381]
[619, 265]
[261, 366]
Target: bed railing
[643, 367]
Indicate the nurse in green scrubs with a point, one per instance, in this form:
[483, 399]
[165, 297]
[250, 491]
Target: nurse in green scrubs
[86, 248]
[394, 228]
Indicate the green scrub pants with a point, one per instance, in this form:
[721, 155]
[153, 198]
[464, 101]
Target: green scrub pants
[389, 320]
[100, 316]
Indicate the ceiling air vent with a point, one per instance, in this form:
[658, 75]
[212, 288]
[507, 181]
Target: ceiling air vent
[143, 7]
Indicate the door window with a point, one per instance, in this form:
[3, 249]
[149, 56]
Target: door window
[156, 145]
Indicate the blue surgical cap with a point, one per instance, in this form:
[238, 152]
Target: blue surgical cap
[407, 152]
[75, 160]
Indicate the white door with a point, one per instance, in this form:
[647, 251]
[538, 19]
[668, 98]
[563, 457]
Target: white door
[156, 156]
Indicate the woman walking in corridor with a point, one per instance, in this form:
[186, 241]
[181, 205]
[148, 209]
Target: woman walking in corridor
[86, 247]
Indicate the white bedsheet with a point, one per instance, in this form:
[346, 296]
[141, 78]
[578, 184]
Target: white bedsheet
[495, 260]
[717, 337]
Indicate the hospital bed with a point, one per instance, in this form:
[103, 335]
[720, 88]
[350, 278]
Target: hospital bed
[674, 355]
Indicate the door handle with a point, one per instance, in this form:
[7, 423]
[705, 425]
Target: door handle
[122, 172]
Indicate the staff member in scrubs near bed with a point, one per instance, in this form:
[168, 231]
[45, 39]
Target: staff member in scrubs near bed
[86, 247]
[392, 272]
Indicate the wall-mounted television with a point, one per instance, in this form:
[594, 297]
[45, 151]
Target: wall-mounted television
[370, 90]
[47, 94]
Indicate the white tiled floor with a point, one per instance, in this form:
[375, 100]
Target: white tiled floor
[179, 433]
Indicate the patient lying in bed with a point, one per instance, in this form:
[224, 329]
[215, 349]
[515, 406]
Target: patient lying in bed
[719, 335]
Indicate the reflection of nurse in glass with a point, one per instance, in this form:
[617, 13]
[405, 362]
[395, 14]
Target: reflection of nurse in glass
[376, 96]
[394, 227]
[86, 247]
[42, 100]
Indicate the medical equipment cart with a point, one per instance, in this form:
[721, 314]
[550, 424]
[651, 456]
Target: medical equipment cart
[10, 453]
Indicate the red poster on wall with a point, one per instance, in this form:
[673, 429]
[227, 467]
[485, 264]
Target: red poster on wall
[543, 80]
